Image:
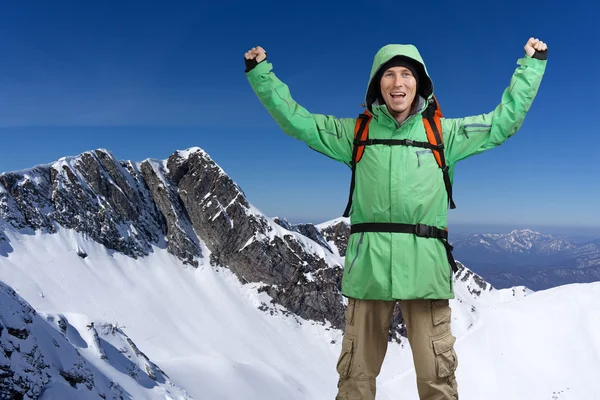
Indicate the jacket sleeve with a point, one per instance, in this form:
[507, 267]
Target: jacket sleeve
[465, 137]
[325, 134]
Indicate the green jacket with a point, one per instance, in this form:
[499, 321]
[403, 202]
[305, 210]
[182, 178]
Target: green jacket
[399, 183]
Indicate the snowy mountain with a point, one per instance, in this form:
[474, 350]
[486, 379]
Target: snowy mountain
[68, 357]
[336, 232]
[518, 242]
[184, 275]
[529, 258]
[186, 204]
[586, 255]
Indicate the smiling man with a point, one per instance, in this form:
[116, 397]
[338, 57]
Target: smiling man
[398, 86]
[400, 192]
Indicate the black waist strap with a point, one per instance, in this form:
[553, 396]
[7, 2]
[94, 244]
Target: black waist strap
[420, 230]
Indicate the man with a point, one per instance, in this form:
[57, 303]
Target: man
[399, 206]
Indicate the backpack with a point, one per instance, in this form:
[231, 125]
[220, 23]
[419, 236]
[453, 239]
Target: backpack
[433, 128]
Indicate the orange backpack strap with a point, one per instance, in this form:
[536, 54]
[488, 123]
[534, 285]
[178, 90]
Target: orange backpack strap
[361, 133]
[433, 126]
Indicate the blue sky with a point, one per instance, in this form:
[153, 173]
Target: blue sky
[144, 79]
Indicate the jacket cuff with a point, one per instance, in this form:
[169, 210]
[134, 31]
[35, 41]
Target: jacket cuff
[251, 64]
[540, 56]
[263, 67]
[532, 62]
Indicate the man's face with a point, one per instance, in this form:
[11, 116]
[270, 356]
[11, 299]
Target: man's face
[398, 89]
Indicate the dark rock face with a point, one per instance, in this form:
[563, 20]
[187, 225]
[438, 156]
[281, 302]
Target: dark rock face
[92, 194]
[25, 200]
[308, 230]
[474, 283]
[180, 238]
[338, 233]
[251, 245]
[315, 296]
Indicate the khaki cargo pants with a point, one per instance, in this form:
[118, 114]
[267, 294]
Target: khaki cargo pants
[366, 339]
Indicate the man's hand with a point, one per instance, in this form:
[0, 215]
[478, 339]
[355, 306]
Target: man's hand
[534, 45]
[254, 56]
[256, 53]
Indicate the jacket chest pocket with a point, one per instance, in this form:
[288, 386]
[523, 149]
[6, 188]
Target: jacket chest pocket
[424, 175]
[424, 157]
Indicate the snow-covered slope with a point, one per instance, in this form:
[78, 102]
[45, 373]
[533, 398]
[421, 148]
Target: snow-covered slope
[75, 361]
[208, 333]
[211, 335]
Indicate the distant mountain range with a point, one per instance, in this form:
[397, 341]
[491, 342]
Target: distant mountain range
[529, 258]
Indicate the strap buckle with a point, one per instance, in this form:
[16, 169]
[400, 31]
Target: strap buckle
[423, 230]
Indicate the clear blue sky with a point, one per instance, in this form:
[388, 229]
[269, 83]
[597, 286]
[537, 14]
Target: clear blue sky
[144, 79]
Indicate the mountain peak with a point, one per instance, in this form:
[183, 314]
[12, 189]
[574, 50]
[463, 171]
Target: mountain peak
[326, 224]
[525, 231]
[189, 151]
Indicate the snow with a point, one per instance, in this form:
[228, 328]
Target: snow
[204, 329]
[185, 154]
[201, 326]
[56, 354]
[158, 168]
[334, 221]
[249, 242]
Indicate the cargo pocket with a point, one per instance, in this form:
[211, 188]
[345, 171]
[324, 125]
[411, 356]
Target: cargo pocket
[344, 365]
[440, 311]
[445, 356]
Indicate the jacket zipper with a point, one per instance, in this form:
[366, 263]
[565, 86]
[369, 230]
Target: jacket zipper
[398, 126]
[362, 234]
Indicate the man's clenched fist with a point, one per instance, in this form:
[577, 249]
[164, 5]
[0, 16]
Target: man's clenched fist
[534, 45]
[256, 53]
[253, 57]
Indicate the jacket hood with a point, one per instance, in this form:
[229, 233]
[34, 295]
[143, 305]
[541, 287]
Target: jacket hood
[384, 55]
